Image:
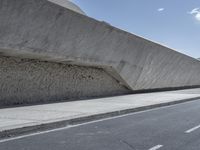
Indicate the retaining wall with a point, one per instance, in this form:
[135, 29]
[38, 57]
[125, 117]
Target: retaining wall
[39, 29]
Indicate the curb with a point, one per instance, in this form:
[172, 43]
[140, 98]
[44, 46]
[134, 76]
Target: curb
[64, 123]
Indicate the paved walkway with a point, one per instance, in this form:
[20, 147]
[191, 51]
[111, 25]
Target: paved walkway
[13, 118]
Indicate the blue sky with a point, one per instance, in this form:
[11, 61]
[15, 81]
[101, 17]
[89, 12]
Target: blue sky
[173, 23]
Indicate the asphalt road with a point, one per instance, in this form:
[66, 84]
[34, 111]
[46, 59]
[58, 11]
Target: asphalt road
[169, 128]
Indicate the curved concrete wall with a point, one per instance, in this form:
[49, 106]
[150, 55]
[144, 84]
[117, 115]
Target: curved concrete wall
[69, 5]
[45, 31]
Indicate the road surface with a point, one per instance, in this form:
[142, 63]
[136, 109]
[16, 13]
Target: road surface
[175, 127]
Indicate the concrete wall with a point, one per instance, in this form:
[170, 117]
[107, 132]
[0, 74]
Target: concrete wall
[25, 81]
[69, 5]
[42, 30]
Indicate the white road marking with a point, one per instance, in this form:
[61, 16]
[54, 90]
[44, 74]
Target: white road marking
[95, 121]
[192, 129]
[156, 147]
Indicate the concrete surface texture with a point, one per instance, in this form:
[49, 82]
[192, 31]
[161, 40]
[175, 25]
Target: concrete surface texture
[47, 31]
[25, 81]
[40, 29]
[17, 118]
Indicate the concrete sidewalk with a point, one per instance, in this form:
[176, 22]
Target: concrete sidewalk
[21, 120]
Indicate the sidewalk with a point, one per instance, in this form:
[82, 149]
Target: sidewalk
[20, 120]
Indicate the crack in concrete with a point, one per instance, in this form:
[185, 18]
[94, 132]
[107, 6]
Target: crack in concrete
[126, 143]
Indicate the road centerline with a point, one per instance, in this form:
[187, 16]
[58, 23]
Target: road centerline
[192, 129]
[156, 147]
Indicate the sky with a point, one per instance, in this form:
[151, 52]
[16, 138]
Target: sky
[172, 23]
